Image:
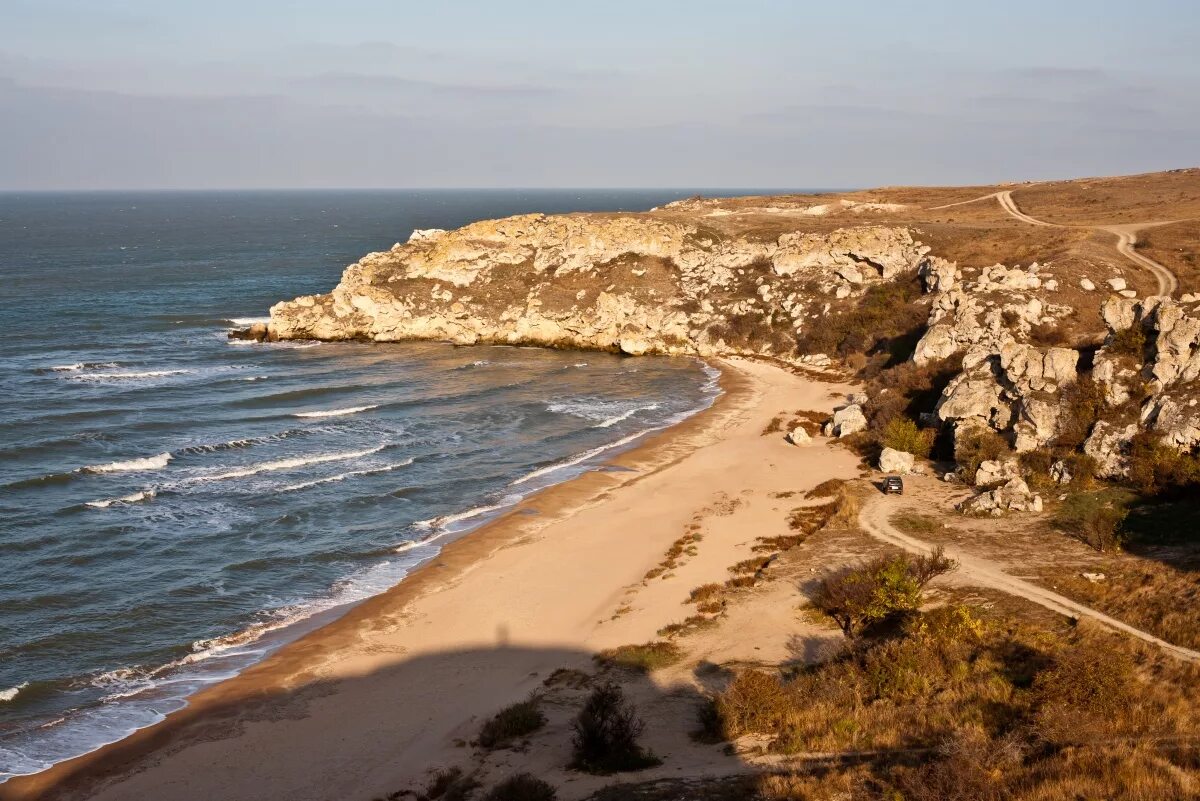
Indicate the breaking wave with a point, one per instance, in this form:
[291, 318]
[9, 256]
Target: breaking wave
[12, 692]
[336, 412]
[290, 464]
[149, 463]
[137, 497]
[343, 476]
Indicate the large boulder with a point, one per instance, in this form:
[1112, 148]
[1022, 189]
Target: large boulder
[846, 421]
[799, 436]
[894, 461]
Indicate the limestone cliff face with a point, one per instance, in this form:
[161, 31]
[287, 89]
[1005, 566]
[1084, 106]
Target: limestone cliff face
[631, 283]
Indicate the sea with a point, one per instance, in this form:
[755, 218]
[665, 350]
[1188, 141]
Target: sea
[175, 505]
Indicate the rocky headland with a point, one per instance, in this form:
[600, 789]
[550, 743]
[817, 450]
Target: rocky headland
[1025, 325]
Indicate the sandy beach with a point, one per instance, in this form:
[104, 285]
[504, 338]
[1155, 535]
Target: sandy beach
[374, 702]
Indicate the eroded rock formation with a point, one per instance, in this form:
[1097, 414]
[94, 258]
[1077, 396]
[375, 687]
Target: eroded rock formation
[630, 283]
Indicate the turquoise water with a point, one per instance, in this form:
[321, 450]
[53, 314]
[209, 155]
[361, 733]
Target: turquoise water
[173, 505]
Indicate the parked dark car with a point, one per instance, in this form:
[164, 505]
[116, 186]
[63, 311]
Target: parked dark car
[893, 484]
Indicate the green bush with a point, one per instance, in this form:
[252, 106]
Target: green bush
[862, 597]
[606, 734]
[522, 787]
[1093, 518]
[519, 720]
[902, 434]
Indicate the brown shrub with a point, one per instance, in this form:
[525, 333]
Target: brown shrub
[975, 446]
[1158, 469]
[1128, 342]
[522, 787]
[705, 592]
[755, 701]
[1080, 405]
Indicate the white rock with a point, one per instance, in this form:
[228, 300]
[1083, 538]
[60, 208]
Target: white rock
[798, 436]
[427, 234]
[847, 420]
[1086, 284]
[894, 461]
[1127, 293]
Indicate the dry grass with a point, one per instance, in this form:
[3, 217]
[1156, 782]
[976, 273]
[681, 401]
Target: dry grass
[997, 704]
[1176, 247]
[1155, 597]
[644, 658]
[826, 489]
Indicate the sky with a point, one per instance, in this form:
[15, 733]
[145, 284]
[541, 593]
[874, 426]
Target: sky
[175, 94]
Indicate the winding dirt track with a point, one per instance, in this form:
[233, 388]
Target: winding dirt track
[1168, 283]
[986, 573]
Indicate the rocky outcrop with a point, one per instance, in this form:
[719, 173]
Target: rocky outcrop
[1012, 496]
[630, 283]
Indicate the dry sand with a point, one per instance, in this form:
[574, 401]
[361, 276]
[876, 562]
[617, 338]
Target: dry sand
[373, 702]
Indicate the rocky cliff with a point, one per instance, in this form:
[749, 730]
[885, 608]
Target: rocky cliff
[636, 284]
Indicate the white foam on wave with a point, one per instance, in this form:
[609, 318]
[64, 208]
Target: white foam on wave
[604, 413]
[12, 692]
[149, 463]
[336, 412]
[71, 368]
[582, 457]
[351, 474]
[137, 497]
[612, 421]
[248, 320]
[289, 464]
[444, 521]
[128, 376]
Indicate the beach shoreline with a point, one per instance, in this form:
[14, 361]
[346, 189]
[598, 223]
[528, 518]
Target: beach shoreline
[449, 604]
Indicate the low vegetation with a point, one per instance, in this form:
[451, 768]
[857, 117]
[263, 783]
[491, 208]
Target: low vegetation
[976, 446]
[512, 723]
[1094, 518]
[1128, 342]
[902, 434]
[607, 730]
[522, 787]
[884, 320]
[646, 657]
[971, 710]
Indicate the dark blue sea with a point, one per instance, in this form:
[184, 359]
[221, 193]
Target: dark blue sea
[174, 505]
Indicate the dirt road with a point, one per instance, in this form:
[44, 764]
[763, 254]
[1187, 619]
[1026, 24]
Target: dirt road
[1126, 235]
[874, 519]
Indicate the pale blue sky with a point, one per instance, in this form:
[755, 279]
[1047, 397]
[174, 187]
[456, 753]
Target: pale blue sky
[181, 94]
